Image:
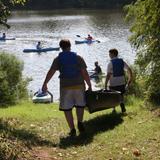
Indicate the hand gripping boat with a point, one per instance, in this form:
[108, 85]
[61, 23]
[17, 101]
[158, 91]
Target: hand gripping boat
[40, 97]
[102, 99]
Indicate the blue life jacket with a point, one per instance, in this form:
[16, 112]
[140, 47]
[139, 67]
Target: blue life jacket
[118, 67]
[68, 63]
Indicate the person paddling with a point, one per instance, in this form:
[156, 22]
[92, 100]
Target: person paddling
[89, 38]
[3, 36]
[97, 69]
[38, 46]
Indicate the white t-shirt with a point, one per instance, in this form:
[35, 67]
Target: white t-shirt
[116, 81]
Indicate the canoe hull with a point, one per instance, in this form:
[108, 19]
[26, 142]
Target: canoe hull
[41, 50]
[102, 99]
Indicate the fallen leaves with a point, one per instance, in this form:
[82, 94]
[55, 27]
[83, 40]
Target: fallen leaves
[136, 152]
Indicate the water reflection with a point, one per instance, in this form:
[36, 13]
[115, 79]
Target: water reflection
[50, 26]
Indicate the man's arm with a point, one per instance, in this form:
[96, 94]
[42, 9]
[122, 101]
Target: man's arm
[130, 75]
[47, 79]
[129, 72]
[108, 76]
[86, 78]
[107, 79]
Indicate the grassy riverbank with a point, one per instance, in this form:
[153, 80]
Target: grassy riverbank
[39, 131]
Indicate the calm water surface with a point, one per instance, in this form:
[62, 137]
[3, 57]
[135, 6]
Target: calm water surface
[50, 26]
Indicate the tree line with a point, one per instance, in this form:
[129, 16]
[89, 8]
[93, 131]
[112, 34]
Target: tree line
[57, 4]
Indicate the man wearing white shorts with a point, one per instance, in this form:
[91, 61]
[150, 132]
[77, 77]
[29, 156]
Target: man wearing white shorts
[73, 75]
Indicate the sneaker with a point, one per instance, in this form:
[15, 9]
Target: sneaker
[123, 109]
[81, 127]
[72, 133]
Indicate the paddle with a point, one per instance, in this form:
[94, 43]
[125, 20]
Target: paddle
[85, 38]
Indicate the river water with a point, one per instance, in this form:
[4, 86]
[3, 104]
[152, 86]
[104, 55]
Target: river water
[50, 27]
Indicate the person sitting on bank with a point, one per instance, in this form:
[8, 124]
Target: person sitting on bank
[116, 75]
[97, 69]
[39, 45]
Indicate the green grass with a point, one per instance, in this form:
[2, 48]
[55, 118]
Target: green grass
[41, 131]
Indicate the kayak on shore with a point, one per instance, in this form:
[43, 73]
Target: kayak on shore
[41, 50]
[40, 97]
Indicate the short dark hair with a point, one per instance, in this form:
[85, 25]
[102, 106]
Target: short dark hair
[114, 52]
[65, 43]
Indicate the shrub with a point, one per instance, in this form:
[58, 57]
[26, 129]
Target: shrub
[137, 86]
[12, 85]
[145, 28]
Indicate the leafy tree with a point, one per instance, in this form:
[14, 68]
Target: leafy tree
[12, 85]
[5, 9]
[144, 15]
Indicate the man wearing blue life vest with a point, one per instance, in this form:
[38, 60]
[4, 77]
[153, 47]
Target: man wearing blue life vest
[73, 75]
[116, 75]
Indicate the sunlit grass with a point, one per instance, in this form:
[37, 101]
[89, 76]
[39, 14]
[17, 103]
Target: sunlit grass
[108, 136]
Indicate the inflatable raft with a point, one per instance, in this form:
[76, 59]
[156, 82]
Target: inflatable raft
[40, 97]
[102, 99]
[41, 50]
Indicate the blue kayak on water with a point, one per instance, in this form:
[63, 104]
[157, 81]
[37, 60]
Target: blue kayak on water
[41, 50]
[84, 41]
[4, 39]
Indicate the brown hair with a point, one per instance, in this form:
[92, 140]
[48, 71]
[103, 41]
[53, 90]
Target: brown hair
[114, 52]
[64, 44]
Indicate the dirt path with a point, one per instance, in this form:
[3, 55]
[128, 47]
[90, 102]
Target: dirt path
[45, 153]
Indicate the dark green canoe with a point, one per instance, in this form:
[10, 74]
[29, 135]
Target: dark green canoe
[102, 99]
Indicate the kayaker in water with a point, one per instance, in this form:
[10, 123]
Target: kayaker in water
[116, 75]
[73, 75]
[90, 38]
[38, 46]
[97, 69]
[3, 36]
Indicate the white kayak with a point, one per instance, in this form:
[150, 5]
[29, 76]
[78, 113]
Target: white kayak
[42, 97]
[41, 50]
